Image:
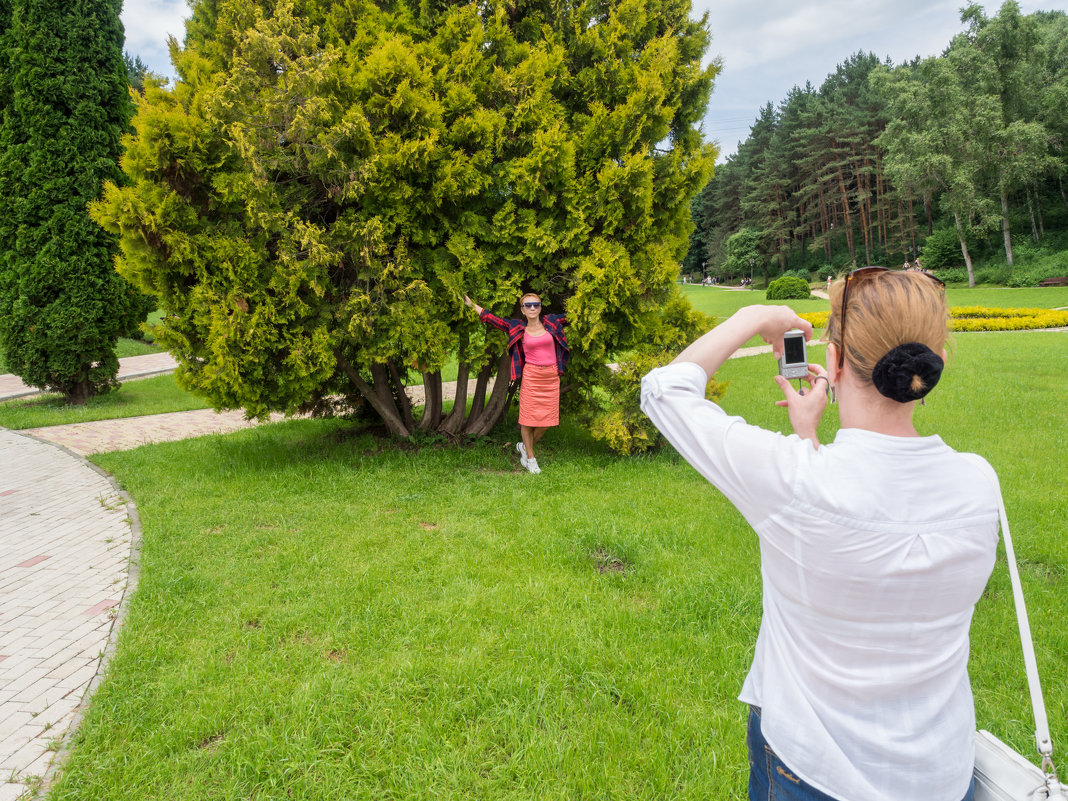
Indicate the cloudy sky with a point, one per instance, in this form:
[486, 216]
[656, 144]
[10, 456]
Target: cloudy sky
[766, 46]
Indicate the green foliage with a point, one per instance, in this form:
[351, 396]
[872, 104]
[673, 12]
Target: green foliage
[136, 70]
[325, 182]
[942, 249]
[789, 287]
[620, 422]
[827, 271]
[857, 171]
[1034, 273]
[744, 252]
[64, 105]
[623, 427]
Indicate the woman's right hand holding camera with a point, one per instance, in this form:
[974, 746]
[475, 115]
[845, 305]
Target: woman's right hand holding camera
[768, 322]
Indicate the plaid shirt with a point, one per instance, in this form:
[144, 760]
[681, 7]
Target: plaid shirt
[554, 324]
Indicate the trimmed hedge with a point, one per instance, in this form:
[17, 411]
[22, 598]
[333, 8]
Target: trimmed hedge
[789, 287]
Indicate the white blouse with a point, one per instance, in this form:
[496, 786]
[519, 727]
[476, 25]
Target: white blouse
[874, 550]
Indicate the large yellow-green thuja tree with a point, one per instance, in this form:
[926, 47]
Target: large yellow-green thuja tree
[326, 180]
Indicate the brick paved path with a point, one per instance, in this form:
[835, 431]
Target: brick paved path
[65, 556]
[123, 434]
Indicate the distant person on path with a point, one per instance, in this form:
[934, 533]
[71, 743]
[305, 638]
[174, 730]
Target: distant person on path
[874, 548]
[539, 353]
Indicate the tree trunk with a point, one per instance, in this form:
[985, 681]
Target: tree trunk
[431, 401]
[912, 228]
[964, 249]
[495, 407]
[400, 395]
[927, 211]
[848, 222]
[901, 228]
[478, 402]
[380, 398]
[455, 420]
[78, 395]
[1005, 226]
[1031, 212]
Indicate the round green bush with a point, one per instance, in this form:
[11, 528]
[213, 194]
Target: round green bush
[941, 250]
[827, 271]
[789, 287]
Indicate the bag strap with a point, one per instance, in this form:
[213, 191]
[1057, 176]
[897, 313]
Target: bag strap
[1038, 705]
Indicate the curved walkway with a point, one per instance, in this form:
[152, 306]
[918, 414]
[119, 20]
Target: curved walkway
[67, 548]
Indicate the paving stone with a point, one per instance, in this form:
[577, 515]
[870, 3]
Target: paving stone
[64, 550]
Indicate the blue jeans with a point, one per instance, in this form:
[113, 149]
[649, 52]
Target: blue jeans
[771, 780]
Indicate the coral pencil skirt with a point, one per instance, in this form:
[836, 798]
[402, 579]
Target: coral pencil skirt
[539, 396]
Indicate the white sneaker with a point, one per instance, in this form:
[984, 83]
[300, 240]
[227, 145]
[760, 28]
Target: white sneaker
[522, 453]
[532, 465]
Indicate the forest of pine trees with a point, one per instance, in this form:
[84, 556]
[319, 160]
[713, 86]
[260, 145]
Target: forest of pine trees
[948, 158]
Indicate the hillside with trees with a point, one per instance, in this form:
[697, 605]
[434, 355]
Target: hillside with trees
[951, 159]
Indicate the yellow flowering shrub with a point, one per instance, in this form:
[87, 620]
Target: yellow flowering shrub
[981, 318]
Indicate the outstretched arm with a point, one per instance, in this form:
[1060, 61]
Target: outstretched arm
[472, 304]
[712, 349]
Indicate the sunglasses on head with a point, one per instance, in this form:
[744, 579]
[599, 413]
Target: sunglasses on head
[531, 304]
[859, 273]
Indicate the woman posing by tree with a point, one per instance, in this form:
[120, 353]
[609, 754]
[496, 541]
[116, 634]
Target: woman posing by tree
[539, 353]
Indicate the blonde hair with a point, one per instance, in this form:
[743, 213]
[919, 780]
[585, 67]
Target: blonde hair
[887, 309]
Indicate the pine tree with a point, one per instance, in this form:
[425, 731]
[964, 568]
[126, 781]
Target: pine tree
[65, 105]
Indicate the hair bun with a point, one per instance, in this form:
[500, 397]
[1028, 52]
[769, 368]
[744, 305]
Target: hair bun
[895, 374]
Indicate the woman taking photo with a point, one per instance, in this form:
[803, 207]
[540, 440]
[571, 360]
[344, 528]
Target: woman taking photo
[539, 354]
[874, 548]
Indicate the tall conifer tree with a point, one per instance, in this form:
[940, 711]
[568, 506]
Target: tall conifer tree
[65, 105]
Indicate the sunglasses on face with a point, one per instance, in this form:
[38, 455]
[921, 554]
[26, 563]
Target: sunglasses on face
[860, 272]
[531, 304]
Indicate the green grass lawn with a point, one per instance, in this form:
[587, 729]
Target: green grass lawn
[322, 614]
[1005, 298]
[134, 398]
[134, 347]
[721, 303]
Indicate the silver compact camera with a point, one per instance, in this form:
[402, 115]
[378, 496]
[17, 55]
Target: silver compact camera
[794, 360]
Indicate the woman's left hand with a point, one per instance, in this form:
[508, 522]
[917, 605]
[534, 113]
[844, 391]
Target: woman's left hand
[806, 407]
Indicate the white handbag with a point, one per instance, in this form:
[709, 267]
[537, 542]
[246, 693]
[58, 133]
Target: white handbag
[1001, 774]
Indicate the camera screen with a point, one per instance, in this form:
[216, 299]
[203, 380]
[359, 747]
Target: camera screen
[794, 350]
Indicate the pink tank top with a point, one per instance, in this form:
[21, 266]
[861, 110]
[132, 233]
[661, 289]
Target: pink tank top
[539, 349]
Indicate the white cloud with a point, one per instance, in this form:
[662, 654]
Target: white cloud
[769, 46]
[148, 24]
[766, 46]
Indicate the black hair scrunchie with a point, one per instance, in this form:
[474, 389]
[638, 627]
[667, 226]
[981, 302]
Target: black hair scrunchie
[893, 374]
